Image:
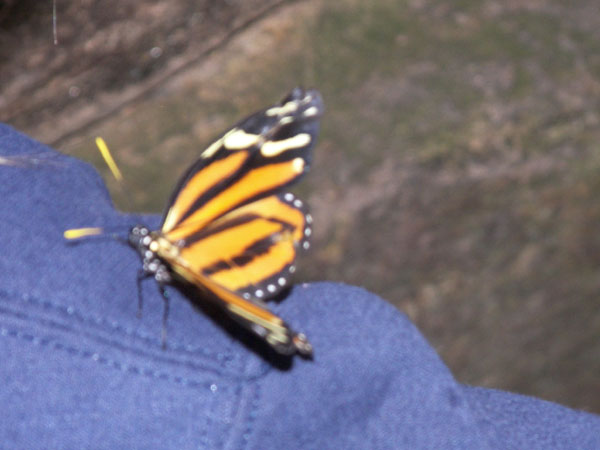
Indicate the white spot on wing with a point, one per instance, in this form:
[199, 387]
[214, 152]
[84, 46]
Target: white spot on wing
[289, 107]
[212, 149]
[311, 112]
[298, 165]
[274, 148]
[238, 139]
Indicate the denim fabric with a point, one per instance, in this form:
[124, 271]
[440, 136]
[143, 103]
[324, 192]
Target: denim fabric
[80, 370]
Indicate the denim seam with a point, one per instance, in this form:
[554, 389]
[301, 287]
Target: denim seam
[251, 416]
[109, 325]
[112, 363]
[204, 364]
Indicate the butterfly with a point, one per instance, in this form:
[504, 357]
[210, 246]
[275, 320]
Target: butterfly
[229, 227]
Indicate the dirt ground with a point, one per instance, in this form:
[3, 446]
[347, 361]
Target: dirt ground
[460, 148]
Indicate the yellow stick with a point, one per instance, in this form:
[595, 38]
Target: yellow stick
[110, 162]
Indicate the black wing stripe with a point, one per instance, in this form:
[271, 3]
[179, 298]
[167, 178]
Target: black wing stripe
[256, 184]
[247, 255]
[203, 184]
[260, 189]
[218, 228]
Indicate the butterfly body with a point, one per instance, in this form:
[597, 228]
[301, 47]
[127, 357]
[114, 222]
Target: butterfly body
[229, 230]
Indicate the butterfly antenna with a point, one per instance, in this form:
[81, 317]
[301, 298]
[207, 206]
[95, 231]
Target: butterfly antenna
[76, 234]
[87, 233]
[73, 234]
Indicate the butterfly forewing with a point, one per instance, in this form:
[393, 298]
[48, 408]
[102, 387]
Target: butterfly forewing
[256, 158]
[203, 185]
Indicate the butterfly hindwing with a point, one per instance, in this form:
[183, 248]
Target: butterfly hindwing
[252, 249]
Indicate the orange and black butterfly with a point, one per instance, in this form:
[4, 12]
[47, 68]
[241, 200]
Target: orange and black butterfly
[230, 230]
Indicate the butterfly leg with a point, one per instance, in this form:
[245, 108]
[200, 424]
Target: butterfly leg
[165, 296]
[142, 274]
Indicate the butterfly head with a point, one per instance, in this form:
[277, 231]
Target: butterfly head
[141, 239]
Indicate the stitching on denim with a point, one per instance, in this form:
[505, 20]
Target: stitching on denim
[227, 439]
[252, 416]
[223, 367]
[190, 363]
[204, 441]
[102, 360]
[71, 312]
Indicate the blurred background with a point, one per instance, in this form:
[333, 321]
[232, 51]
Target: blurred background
[458, 170]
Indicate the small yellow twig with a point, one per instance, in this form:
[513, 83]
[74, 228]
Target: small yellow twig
[110, 162]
